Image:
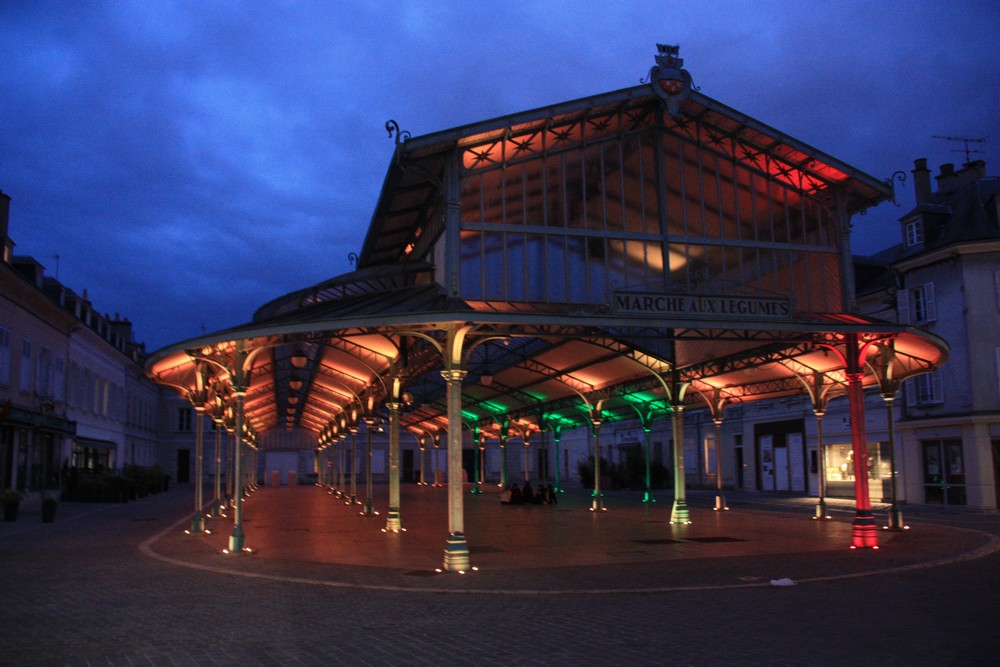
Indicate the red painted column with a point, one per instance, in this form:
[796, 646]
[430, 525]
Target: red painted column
[864, 532]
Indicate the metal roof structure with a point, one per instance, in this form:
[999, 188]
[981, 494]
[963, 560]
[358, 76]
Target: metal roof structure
[620, 256]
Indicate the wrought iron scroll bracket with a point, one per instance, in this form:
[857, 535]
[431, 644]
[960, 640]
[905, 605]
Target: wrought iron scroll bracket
[899, 176]
[393, 128]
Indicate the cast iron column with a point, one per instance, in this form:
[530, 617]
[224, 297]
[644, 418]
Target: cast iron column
[720, 495]
[597, 504]
[422, 444]
[369, 505]
[217, 503]
[503, 458]
[456, 553]
[679, 513]
[863, 533]
[648, 495]
[198, 520]
[895, 514]
[236, 538]
[555, 439]
[393, 520]
[821, 451]
[477, 484]
[353, 498]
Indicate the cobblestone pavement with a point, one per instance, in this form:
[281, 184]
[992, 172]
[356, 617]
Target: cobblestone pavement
[123, 585]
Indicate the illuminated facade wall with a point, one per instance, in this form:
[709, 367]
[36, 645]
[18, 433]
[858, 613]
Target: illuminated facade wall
[573, 210]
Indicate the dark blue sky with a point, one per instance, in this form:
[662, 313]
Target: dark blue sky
[189, 161]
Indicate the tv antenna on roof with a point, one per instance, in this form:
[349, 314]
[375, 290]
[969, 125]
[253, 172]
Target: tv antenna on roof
[966, 141]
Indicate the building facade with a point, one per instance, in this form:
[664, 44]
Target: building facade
[73, 395]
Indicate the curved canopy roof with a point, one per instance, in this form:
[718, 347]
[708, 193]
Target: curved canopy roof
[527, 370]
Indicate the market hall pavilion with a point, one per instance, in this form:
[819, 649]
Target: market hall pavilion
[622, 256]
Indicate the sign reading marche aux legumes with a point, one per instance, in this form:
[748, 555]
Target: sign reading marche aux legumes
[700, 306]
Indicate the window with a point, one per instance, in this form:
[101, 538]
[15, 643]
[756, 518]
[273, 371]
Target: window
[710, 455]
[914, 231]
[916, 305]
[4, 355]
[996, 288]
[26, 364]
[183, 419]
[44, 373]
[60, 379]
[924, 390]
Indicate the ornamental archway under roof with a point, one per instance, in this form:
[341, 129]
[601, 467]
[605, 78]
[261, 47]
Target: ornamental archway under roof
[629, 253]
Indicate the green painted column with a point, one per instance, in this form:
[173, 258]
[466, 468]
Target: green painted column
[456, 553]
[648, 496]
[680, 513]
[555, 439]
[477, 485]
[393, 520]
[597, 504]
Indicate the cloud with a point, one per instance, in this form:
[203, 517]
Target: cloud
[190, 161]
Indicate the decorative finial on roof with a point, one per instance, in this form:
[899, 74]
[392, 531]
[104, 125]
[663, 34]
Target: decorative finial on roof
[671, 82]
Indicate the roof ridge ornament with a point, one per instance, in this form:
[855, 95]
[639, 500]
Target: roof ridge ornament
[671, 82]
[393, 128]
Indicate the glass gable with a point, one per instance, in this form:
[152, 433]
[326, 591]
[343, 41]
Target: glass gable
[626, 199]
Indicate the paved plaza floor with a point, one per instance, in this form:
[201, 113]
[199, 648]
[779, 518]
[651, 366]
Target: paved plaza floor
[763, 583]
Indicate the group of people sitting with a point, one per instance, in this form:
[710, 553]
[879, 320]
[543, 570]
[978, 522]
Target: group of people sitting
[512, 494]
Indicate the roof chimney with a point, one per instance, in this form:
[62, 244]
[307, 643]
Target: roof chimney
[946, 180]
[5, 244]
[921, 180]
[973, 171]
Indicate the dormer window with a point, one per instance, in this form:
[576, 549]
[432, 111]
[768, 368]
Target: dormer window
[914, 231]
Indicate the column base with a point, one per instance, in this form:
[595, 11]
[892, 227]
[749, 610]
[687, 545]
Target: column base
[864, 533]
[896, 522]
[597, 504]
[648, 498]
[821, 510]
[720, 503]
[680, 513]
[456, 554]
[216, 511]
[197, 523]
[369, 508]
[236, 540]
[393, 521]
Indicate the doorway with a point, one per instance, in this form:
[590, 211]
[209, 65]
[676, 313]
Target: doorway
[944, 472]
[407, 472]
[183, 466]
[780, 456]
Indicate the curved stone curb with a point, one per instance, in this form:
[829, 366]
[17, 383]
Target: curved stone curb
[147, 548]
